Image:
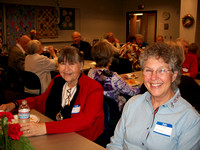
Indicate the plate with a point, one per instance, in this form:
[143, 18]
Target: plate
[132, 82]
[33, 118]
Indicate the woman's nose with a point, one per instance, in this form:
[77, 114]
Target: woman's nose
[154, 75]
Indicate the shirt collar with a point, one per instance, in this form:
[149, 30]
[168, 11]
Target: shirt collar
[171, 104]
[20, 47]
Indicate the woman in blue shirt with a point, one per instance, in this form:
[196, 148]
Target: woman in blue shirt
[160, 118]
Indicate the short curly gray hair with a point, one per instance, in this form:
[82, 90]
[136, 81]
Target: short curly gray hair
[170, 53]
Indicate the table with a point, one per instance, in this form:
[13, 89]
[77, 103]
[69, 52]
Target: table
[88, 64]
[65, 141]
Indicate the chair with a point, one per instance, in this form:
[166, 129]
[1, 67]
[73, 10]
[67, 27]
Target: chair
[113, 115]
[13, 86]
[31, 81]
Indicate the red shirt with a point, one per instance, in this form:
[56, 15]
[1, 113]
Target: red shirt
[89, 122]
[190, 65]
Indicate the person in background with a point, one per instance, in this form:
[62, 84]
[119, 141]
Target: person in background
[129, 51]
[109, 38]
[17, 53]
[113, 84]
[73, 100]
[40, 64]
[160, 118]
[190, 65]
[159, 38]
[140, 42]
[83, 46]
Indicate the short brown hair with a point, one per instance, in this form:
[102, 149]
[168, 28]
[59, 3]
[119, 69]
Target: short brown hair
[193, 48]
[102, 52]
[70, 54]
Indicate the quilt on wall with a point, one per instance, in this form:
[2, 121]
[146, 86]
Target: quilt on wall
[47, 22]
[67, 19]
[20, 19]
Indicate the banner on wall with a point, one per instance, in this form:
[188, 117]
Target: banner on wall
[67, 19]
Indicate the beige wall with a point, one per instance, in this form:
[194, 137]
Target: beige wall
[94, 18]
[188, 7]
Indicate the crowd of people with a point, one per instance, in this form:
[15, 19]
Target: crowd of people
[158, 118]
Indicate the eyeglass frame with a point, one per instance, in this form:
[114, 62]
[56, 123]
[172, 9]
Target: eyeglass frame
[158, 73]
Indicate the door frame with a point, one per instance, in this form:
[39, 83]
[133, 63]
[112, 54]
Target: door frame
[144, 12]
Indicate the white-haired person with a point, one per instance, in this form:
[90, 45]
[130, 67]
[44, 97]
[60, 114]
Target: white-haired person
[40, 64]
[83, 46]
[140, 42]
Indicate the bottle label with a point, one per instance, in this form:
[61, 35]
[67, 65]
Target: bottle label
[24, 114]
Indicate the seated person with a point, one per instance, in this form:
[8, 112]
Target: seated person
[129, 51]
[83, 46]
[17, 53]
[190, 64]
[113, 84]
[40, 64]
[140, 42]
[159, 38]
[160, 118]
[72, 99]
[109, 38]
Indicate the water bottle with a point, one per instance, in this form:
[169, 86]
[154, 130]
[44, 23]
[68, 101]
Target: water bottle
[24, 112]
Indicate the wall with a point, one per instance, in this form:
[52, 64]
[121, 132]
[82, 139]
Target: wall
[93, 19]
[171, 6]
[188, 7]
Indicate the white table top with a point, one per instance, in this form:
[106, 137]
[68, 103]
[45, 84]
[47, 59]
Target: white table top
[65, 141]
[88, 64]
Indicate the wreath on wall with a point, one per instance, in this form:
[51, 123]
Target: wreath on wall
[188, 20]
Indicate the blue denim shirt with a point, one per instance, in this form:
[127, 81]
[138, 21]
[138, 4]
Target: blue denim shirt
[137, 128]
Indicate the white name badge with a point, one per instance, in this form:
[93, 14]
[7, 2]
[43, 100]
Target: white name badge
[185, 69]
[163, 128]
[76, 109]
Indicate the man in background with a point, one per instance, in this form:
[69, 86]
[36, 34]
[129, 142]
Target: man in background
[83, 46]
[17, 53]
[109, 38]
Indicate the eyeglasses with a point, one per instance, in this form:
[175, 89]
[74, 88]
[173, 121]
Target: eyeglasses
[160, 72]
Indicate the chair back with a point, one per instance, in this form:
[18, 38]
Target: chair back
[112, 116]
[31, 81]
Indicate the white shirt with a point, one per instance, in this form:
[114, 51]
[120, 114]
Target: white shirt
[65, 94]
[41, 66]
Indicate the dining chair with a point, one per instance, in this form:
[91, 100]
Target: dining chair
[12, 84]
[31, 82]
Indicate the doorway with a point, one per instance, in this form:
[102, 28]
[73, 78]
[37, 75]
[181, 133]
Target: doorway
[142, 22]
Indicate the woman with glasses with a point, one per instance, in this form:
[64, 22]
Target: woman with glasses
[160, 118]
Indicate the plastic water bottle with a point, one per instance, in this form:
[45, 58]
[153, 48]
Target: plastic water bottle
[23, 112]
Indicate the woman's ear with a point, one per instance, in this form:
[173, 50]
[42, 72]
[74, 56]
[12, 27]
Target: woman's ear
[174, 75]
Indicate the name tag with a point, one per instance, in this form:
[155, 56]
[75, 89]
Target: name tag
[163, 128]
[76, 109]
[185, 69]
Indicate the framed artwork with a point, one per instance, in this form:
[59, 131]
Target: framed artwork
[47, 22]
[67, 19]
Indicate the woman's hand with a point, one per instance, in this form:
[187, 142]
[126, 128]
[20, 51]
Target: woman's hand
[51, 51]
[7, 107]
[33, 129]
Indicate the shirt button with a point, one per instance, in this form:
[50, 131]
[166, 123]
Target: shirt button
[142, 144]
[148, 128]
